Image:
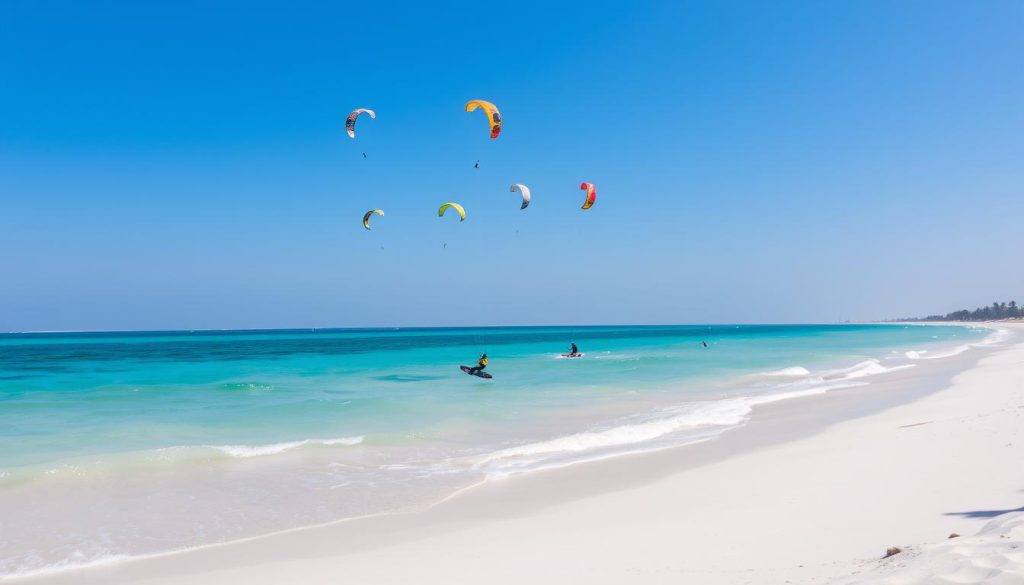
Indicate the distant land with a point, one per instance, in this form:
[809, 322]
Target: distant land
[993, 312]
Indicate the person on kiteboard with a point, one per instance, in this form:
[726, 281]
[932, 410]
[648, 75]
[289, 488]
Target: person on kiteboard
[480, 365]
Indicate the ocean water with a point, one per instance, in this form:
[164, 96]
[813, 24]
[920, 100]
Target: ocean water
[115, 445]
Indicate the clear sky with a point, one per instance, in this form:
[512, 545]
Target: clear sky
[184, 164]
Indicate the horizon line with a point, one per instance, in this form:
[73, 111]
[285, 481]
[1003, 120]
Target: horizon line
[395, 327]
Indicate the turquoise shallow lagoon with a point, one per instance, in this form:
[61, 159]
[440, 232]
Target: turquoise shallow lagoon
[117, 444]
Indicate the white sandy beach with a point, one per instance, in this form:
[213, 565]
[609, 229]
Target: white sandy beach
[810, 491]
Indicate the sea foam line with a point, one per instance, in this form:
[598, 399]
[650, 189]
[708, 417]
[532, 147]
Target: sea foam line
[872, 367]
[243, 451]
[92, 465]
[711, 415]
[794, 372]
[996, 337]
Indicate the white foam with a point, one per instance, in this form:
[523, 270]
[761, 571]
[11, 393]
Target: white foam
[919, 355]
[862, 369]
[720, 414]
[995, 338]
[275, 448]
[619, 357]
[769, 398]
[789, 372]
[74, 561]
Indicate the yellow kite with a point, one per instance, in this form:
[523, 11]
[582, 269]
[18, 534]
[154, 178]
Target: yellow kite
[493, 115]
[458, 208]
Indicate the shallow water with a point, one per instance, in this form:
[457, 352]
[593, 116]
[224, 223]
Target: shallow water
[134, 443]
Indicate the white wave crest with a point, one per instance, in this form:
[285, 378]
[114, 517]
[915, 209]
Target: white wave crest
[862, 369]
[701, 415]
[723, 413]
[995, 338]
[788, 372]
[919, 355]
[243, 451]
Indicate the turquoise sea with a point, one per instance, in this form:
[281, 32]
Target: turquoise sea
[123, 444]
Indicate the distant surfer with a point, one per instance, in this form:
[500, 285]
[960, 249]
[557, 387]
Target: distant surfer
[477, 165]
[480, 365]
[574, 352]
[704, 343]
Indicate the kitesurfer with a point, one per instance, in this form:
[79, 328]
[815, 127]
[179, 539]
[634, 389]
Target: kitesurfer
[480, 365]
[573, 351]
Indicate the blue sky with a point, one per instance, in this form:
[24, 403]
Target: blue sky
[184, 165]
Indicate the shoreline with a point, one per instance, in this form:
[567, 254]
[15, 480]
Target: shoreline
[772, 425]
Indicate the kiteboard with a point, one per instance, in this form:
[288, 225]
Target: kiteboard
[570, 355]
[480, 374]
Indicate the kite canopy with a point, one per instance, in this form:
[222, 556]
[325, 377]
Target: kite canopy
[458, 208]
[350, 122]
[591, 195]
[524, 190]
[366, 217]
[493, 115]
